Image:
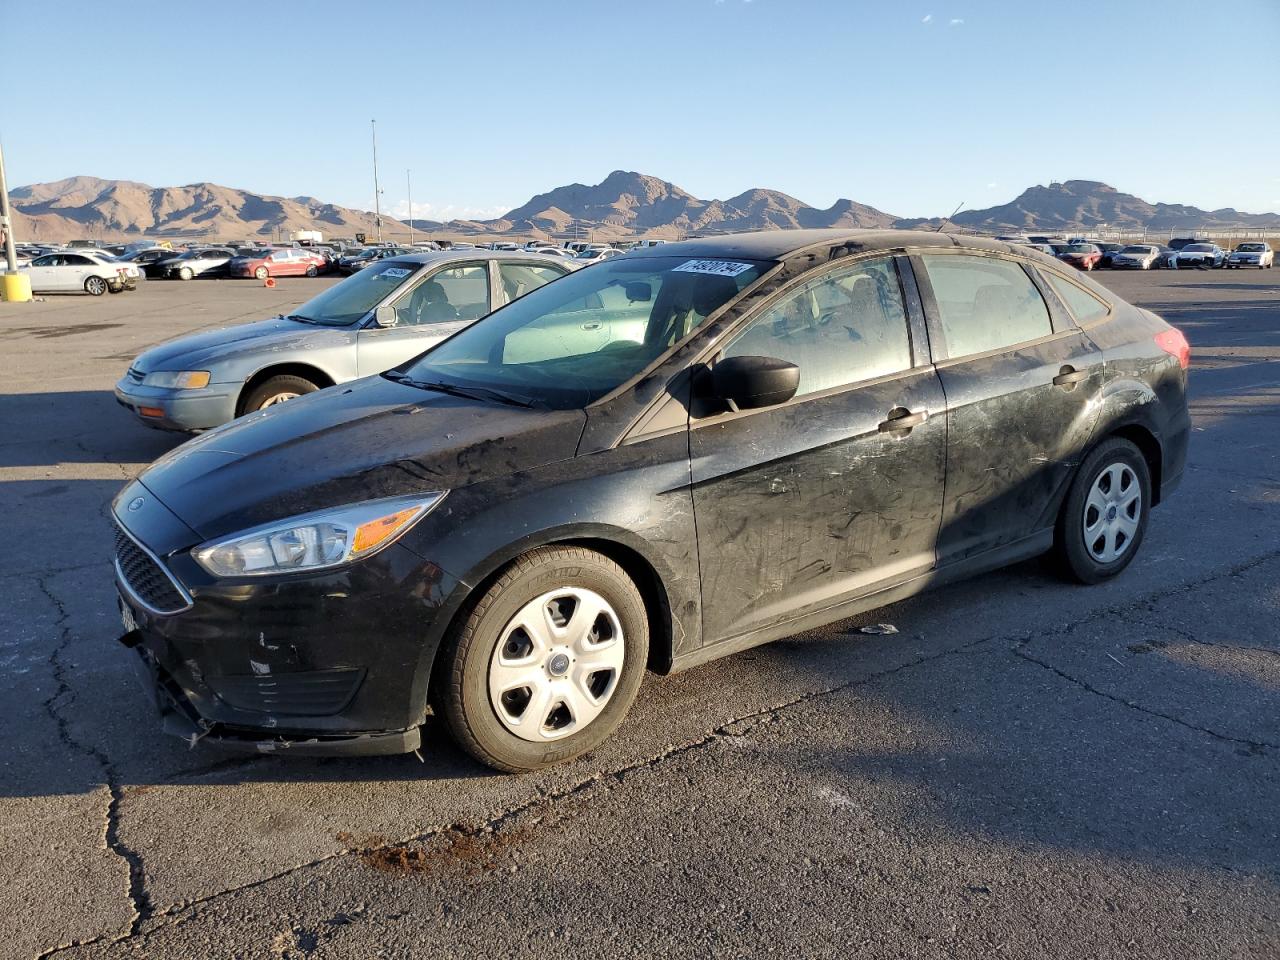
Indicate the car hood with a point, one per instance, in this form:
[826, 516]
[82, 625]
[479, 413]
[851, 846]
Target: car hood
[202, 351]
[367, 439]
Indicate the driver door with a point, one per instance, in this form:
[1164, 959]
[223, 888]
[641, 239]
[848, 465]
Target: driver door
[436, 307]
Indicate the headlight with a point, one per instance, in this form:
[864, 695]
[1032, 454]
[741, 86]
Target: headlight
[314, 541]
[178, 379]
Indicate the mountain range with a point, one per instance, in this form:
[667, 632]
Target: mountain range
[624, 204]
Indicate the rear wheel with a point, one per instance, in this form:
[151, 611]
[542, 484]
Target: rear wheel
[312, 271]
[186, 273]
[277, 389]
[262, 273]
[548, 661]
[1105, 514]
[95, 286]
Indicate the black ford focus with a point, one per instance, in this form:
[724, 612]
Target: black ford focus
[655, 461]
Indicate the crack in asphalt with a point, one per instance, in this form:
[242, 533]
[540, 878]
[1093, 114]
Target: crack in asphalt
[139, 900]
[171, 915]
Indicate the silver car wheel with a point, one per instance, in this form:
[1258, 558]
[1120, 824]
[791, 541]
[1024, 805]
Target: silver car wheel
[1112, 512]
[556, 664]
[275, 398]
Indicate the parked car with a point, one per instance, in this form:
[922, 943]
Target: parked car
[202, 262]
[369, 255]
[1136, 256]
[1108, 251]
[1252, 254]
[149, 261]
[130, 271]
[1167, 259]
[658, 460]
[78, 270]
[1177, 243]
[279, 262]
[1202, 255]
[594, 255]
[1082, 256]
[375, 319]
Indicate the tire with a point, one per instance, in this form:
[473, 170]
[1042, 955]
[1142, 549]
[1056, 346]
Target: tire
[277, 389]
[312, 271]
[1090, 547]
[95, 286]
[262, 273]
[186, 273]
[549, 583]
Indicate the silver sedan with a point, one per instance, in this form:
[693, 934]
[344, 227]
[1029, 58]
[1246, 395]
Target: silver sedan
[374, 320]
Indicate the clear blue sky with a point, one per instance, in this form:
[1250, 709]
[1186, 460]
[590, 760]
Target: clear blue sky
[909, 106]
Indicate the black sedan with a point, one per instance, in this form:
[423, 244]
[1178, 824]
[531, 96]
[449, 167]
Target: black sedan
[149, 261]
[647, 464]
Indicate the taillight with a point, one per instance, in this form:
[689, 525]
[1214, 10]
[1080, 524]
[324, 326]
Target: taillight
[1172, 342]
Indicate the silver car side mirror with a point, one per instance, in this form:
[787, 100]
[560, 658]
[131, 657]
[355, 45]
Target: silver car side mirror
[385, 316]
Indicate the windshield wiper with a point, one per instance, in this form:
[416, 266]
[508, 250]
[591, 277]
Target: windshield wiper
[301, 319]
[454, 390]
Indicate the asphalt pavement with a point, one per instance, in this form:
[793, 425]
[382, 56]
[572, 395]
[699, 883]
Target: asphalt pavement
[1027, 768]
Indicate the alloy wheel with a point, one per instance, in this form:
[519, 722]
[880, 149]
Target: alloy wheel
[1112, 513]
[556, 664]
[275, 398]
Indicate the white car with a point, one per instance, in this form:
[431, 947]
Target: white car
[77, 270]
[131, 269]
[1136, 256]
[1252, 254]
[595, 255]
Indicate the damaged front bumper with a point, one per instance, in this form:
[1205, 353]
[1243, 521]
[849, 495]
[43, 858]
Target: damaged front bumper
[179, 717]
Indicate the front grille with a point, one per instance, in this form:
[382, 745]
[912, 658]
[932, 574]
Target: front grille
[149, 583]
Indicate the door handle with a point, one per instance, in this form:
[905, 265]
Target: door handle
[1069, 376]
[902, 419]
[591, 325]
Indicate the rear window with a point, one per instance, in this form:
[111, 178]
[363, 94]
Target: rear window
[1197, 248]
[985, 304]
[1252, 248]
[1084, 306]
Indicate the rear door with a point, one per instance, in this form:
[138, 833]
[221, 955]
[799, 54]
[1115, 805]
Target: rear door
[820, 500]
[1020, 380]
[438, 306]
[516, 278]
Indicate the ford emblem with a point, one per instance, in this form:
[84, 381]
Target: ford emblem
[135, 504]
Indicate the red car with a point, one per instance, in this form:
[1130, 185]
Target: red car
[1082, 256]
[279, 262]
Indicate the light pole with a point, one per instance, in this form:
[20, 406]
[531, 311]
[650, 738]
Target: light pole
[377, 203]
[13, 285]
[408, 183]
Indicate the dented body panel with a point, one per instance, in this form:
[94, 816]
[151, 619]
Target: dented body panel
[738, 526]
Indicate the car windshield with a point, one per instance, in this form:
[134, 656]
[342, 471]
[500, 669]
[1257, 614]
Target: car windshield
[1136, 250]
[347, 302]
[1198, 248]
[588, 254]
[578, 338]
[1252, 248]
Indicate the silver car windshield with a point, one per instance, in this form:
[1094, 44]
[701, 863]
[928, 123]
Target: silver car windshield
[347, 302]
[578, 338]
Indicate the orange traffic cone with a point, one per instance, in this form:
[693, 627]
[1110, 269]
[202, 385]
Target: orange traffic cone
[269, 282]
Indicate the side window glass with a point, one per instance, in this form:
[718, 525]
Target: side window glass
[1084, 306]
[845, 327]
[458, 293]
[519, 278]
[985, 303]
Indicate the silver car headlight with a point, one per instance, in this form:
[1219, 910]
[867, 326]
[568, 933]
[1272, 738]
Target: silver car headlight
[177, 379]
[314, 541]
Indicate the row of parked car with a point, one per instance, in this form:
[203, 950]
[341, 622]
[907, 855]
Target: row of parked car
[1087, 254]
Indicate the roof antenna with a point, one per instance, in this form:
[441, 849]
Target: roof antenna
[949, 216]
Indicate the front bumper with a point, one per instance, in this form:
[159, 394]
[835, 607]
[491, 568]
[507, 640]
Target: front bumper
[331, 663]
[1255, 262]
[182, 410]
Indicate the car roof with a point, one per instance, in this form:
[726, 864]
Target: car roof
[779, 244]
[441, 256]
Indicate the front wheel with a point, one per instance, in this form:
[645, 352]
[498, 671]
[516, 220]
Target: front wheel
[312, 271]
[1105, 514]
[277, 389]
[95, 286]
[548, 661]
[186, 273]
[262, 273]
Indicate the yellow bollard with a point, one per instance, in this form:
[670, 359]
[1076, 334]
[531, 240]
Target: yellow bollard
[15, 287]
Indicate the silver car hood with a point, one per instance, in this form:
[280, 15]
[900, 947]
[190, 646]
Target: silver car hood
[204, 351]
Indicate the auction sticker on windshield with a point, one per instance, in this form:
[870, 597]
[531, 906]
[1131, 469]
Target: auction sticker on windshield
[719, 268]
[393, 273]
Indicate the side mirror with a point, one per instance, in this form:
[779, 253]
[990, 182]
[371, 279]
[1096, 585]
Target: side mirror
[747, 383]
[385, 316]
[638, 291]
